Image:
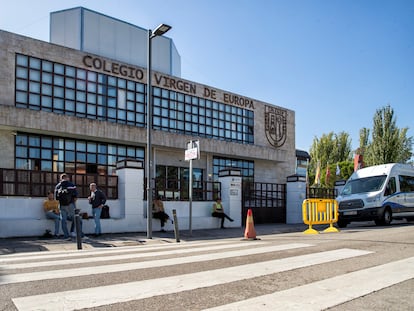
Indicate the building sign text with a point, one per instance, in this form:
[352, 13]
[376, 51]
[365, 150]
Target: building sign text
[164, 81]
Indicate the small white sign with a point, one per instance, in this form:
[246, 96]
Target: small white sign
[191, 154]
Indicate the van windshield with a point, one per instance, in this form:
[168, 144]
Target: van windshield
[361, 185]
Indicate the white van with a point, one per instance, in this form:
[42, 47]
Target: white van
[379, 193]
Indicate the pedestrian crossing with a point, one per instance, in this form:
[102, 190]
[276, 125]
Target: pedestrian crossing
[62, 273]
[213, 264]
[335, 290]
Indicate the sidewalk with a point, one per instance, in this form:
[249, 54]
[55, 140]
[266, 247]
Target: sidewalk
[37, 244]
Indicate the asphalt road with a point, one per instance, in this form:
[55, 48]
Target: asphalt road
[348, 270]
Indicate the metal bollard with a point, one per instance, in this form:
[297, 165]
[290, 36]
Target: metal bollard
[176, 231]
[78, 228]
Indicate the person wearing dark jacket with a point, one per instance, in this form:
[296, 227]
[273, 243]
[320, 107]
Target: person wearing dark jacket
[97, 199]
[66, 194]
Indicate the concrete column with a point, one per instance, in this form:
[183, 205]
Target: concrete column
[231, 195]
[295, 194]
[131, 193]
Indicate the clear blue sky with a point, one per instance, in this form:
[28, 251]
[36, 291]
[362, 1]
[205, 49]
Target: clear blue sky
[334, 62]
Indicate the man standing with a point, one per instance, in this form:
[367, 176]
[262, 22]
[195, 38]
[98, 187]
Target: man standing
[97, 199]
[66, 194]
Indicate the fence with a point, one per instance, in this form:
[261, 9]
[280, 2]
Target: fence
[267, 200]
[320, 212]
[313, 193]
[177, 190]
[14, 182]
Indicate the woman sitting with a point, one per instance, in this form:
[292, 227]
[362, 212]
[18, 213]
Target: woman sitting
[218, 212]
[51, 208]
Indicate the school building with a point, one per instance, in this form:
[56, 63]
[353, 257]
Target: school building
[78, 104]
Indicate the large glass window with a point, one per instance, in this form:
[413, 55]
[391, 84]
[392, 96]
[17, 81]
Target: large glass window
[172, 182]
[218, 120]
[246, 167]
[63, 89]
[56, 154]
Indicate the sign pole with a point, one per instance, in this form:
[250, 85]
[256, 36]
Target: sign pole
[190, 196]
[192, 152]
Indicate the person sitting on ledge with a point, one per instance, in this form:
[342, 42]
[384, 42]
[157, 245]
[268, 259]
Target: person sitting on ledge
[219, 212]
[52, 211]
[159, 212]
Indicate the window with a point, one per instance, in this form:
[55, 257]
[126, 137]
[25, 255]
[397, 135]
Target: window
[364, 185]
[63, 89]
[391, 187]
[246, 167]
[406, 183]
[218, 120]
[172, 182]
[47, 153]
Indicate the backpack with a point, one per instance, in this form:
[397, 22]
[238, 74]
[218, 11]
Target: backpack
[64, 195]
[105, 212]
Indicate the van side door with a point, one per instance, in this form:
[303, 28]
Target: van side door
[391, 197]
[407, 188]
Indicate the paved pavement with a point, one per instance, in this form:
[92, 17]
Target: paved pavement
[37, 244]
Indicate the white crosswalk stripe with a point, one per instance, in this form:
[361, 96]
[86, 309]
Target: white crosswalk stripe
[271, 259]
[54, 274]
[22, 257]
[123, 257]
[92, 297]
[335, 290]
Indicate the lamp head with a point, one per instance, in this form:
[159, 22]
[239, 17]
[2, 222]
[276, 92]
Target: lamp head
[160, 30]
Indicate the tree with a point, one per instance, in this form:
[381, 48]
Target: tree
[363, 140]
[389, 143]
[329, 150]
[342, 148]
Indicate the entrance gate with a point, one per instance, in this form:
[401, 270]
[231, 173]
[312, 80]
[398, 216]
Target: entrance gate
[267, 201]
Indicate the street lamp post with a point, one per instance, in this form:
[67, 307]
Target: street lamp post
[159, 31]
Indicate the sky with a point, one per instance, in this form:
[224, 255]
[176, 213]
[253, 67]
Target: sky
[333, 62]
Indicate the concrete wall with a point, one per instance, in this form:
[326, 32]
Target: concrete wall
[7, 148]
[24, 216]
[89, 31]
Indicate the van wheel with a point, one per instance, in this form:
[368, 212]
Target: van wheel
[342, 224]
[386, 218]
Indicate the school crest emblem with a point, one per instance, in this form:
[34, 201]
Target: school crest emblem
[275, 126]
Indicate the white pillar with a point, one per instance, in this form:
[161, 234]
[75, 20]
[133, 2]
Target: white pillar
[295, 194]
[231, 195]
[131, 194]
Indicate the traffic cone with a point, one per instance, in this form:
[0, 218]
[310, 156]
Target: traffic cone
[250, 233]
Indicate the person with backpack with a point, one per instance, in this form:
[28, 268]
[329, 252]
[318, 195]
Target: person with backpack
[97, 199]
[66, 194]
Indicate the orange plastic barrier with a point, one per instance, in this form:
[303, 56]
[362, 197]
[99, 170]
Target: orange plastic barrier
[320, 212]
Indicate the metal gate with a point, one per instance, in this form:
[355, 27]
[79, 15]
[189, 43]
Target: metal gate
[267, 201]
